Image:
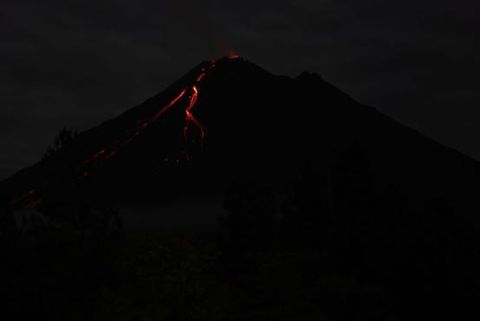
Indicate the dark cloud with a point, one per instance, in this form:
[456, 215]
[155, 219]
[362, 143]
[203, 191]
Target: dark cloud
[77, 63]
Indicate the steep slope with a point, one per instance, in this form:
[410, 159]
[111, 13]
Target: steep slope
[227, 117]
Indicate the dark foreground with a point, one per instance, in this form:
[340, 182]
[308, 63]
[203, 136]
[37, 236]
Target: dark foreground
[254, 267]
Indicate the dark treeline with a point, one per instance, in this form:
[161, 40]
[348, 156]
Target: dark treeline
[335, 248]
[327, 247]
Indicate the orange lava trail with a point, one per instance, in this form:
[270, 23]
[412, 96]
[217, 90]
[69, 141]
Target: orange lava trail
[110, 151]
[30, 199]
[167, 107]
[189, 117]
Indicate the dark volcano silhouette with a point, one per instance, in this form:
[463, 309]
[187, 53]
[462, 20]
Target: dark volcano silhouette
[251, 119]
[379, 202]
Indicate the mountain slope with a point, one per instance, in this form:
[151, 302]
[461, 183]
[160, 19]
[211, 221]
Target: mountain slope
[229, 116]
[331, 209]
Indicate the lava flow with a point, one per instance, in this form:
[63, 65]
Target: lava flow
[167, 107]
[32, 200]
[190, 121]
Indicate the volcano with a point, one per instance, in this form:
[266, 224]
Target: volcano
[339, 190]
[228, 117]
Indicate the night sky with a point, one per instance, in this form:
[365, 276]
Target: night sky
[78, 63]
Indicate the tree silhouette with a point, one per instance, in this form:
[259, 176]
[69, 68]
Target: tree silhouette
[307, 212]
[64, 139]
[7, 219]
[251, 219]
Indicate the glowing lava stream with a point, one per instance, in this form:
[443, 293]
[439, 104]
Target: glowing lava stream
[30, 199]
[110, 151]
[166, 108]
[189, 118]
